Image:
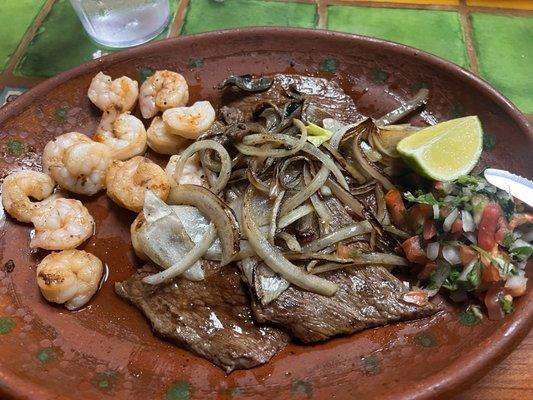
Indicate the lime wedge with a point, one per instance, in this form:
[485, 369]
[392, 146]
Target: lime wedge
[444, 151]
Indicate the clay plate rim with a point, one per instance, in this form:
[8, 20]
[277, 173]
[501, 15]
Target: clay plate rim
[456, 375]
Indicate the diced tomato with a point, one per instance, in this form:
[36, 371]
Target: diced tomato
[413, 251]
[490, 273]
[420, 213]
[488, 225]
[396, 207]
[430, 229]
[520, 219]
[492, 301]
[427, 270]
[456, 229]
[467, 254]
[501, 230]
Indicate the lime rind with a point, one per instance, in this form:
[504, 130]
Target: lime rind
[444, 151]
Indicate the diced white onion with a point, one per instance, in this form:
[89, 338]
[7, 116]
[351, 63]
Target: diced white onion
[468, 221]
[436, 211]
[516, 285]
[432, 251]
[450, 219]
[471, 236]
[451, 254]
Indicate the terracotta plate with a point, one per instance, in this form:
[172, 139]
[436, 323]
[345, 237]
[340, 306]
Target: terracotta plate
[107, 349]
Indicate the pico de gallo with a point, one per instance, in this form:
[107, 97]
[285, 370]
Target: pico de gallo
[467, 238]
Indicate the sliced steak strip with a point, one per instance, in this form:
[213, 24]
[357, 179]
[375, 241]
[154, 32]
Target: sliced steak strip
[367, 297]
[211, 318]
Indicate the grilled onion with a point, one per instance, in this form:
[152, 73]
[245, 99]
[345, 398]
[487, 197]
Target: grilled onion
[216, 210]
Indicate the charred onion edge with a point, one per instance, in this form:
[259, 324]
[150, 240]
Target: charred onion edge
[382, 259]
[187, 261]
[346, 197]
[358, 176]
[216, 210]
[274, 258]
[315, 184]
[225, 169]
[368, 166]
[274, 217]
[247, 146]
[405, 109]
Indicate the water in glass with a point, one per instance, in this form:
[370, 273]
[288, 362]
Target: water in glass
[122, 23]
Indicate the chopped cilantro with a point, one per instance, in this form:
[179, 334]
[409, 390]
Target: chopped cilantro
[472, 280]
[506, 303]
[508, 239]
[506, 202]
[451, 281]
[468, 180]
[438, 277]
[426, 198]
[504, 266]
[521, 250]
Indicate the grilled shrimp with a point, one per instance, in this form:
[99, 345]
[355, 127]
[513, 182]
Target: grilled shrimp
[61, 224]
[134, 233]
[123, 133]
[70, 277]
[193, 173]
[80, 167]
[17, 189]
[163, 90]
[55, 149]
[120, 94]
[190, 122]
[162, 141]
[127, 180]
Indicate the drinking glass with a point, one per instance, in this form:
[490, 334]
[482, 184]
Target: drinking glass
[122, 23]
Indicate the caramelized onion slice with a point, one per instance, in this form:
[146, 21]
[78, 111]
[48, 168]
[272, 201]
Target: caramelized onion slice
[225, 168]
[359, 228]
[274, 258]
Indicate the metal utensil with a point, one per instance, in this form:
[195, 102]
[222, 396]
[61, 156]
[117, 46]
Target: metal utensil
[517, 186]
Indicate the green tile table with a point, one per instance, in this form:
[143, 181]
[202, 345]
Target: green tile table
[494, 39]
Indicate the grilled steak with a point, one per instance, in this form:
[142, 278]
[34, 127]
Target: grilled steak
[367, 297]
[320, 98]
[211, 318]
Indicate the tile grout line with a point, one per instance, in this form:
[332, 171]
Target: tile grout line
[464, 15]
[406, 6]
[179, 19]
[502, 11]
[7, 76]
[322, 11]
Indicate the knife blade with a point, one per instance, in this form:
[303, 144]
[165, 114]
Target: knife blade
[516, 185]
